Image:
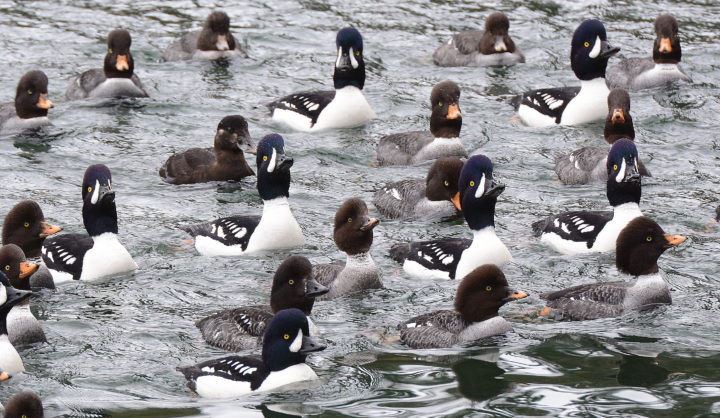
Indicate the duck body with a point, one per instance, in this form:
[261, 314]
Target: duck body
[10, 361]
[31, 105]
[493, 46]
[213, 41]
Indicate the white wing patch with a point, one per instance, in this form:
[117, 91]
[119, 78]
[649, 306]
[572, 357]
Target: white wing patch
[551, 102]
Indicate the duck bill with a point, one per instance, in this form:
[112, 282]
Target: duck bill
[310, 345]
[454, 112]
[494, 190]
[515, 295]
[107, 195]
[370, 224]
[618, 116]
[4, 376]
[121, 63]
[674, 240]
[456, 201]
[665, 46]
[632, 175]
[284, 163]
[247, 146]
[314, 289]
[27, 269]
[48, 229]
[499, 45]
[343, 63]
[15, 296]
[607, 50]
[43, 102]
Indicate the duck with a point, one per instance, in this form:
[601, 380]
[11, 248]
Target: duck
[589, 57]
[24, 405]
[436, 196]
[664, 66]
[588, 164]
[353, 235]
[99, 253]
[242, 328]
[493, 46]
[582, 232]
[479, 296]
[639, 246]
[22, 326]
[443, 139]
[115, 79]
[454, 258]
[224, 162]
[275, 229]
[30, 110]
[212, 42]
[345, 107]
[10, 361]
[286, 344]
[25, 226]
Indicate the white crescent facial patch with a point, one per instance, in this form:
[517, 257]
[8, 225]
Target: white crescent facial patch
[353, 61]
[273, 161]
[481, 187]
[96, 192]
[621, 173]
[297, 342]
[3, 295]
[596, 48]
[337, 61]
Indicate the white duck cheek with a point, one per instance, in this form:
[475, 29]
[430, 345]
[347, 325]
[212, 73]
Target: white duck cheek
[337, 61]
[353, 61]
[596, 48]
[96, 193]
[481, 187]
[297, 342]
[621, 173]
[273, 162]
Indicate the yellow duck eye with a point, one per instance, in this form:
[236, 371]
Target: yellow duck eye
[26, 224]
[587, 44]
[648, 238]
[265, 158]
[29, 91]
[89, 189]
[7, 268]
[488, 288]
[110, 51]
[615, 167]
[357, 53]
[291, 281]
[440, 104]
[447, 183]
[349, 219]
[472, 183]
[286, 336]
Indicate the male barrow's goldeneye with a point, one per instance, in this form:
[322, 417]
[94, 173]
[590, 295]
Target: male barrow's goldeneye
[25, 226]
[664, 66]
[346, 107]
[213, 41]
[453, 258]
[286, 344]
[277, 228]
[241, 328]
[588, 164]
[589, 56]
[226, 161]
[436, 196]
[353, 234]
[22, 326]
[479, 297]
[639, 246]
[98, 254]
[31, 105]
[493, 46]
[10, 361]
[115, 79]
[24, 405]
[443, 140]
[594, 231]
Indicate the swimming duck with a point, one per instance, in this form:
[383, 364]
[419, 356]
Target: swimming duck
[25, 226]
[22, 326]
[213, 41]
[31, 105]
[226, 161]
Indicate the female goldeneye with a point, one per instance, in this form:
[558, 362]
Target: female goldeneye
[353, 235]
[443, 140]
[115, 79]
[589, 56]
[436, 196]
[664, 66]
[22, 326]
[25, 226]
[277, 228]
[31, 104]
[211, 42]
[639, 246]
[98, 254]
[451, 258]
[24, 405]
[286, 344]
[346, 107]
[597, 231]
[10, 361]
[493, 46]
[241, 328]
[226, 161]
[589, 164]
[479, 297]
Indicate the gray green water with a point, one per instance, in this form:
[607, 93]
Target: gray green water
[114, 345]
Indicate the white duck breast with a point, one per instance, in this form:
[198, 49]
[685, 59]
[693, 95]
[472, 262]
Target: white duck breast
[106, 257]
[486, 248]
[16, 124]
[10, 360]
[478, 330]
[440, 147]
[113, 87]
[589, 105]
[277, 228]
[348, 109]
